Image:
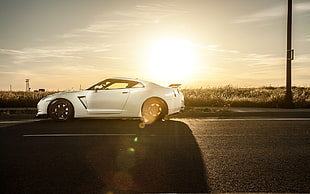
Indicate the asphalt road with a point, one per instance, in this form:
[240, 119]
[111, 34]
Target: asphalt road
[182, 155]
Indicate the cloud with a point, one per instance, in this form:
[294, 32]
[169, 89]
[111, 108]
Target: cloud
[262, 15]
[307, 38]
[252, 60]
[97, 37]
[217, 48]
[10, 51]
[302, 59]
[259, 60]
[125, 20]
[302, 7]
[48, 54]
[238, 65]
[272, 13]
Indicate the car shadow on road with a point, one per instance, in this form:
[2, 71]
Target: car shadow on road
[100, 156]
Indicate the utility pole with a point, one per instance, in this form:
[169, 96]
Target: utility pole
[289, 57]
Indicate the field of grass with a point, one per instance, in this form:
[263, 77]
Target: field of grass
[227, 96]
[21, 99]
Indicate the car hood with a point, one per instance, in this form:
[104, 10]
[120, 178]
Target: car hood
[66, 94]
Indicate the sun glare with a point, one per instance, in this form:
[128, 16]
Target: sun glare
[171, 60]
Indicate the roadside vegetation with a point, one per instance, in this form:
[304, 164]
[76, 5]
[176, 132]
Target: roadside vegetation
[227, 96]
[21, 99]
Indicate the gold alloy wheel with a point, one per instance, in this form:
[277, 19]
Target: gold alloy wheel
[152, 110]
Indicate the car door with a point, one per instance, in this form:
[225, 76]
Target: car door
[110, 100]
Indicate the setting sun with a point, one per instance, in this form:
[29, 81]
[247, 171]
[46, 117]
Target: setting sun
[171, 60]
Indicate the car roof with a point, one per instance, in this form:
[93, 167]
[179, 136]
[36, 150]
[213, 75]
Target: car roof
[127, 79]
[138, 80]
[130, 79]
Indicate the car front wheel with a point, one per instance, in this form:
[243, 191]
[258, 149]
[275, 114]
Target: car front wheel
[61, 110]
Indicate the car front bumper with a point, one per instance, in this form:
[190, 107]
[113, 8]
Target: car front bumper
[42, 107]
[41, 116]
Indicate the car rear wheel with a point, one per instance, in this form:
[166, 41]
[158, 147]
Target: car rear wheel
[152, 110]
[61, 110]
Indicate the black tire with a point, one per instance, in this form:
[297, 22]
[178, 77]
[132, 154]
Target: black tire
[61, 110]
[153, 109]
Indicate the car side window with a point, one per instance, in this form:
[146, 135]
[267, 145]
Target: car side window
[100, 86]
[117, 85]
[138, 85]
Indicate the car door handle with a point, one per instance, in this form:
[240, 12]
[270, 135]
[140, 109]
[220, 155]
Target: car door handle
[125, 92]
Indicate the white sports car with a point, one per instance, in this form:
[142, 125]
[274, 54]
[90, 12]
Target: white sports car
[114, 98]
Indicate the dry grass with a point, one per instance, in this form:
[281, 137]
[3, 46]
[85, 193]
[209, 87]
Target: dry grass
[227, 96]
[21, 99]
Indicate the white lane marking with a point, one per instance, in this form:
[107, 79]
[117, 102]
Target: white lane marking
[77, 135]
[249, 135]
[19, 121]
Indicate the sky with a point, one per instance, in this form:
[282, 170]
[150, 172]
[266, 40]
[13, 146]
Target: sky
[72, 44]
